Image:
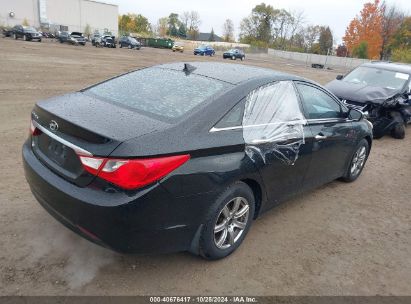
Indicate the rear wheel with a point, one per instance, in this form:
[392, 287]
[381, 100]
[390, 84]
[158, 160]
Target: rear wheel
[24, 37]
[357, 161]
[228, 222]
[15, 36]
[233, 57]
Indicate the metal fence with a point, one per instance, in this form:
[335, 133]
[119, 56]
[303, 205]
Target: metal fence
[324, 60]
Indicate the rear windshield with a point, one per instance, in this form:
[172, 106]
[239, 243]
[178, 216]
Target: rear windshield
[164, 93]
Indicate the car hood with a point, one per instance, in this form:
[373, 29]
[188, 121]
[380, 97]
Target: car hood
[360, 92]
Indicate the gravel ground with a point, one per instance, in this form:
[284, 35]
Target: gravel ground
[341, 239]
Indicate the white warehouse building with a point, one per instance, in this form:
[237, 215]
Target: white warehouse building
[69, 15]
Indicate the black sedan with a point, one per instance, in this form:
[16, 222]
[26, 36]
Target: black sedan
[142, 164]
[129, 42]
[27, 33]
[234, 54]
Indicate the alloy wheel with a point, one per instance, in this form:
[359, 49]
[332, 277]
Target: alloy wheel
[231, 223]
[358, 161]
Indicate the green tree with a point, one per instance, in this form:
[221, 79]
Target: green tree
[259, 25]
[402, 37]
[401, 55]
[142, 24]
[326, 40]
[361, 51]
[212, 35]
[182, 31]
[132, 23]
[228, 30]
[162, 27]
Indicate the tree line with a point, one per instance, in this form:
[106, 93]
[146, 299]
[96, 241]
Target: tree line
[183, 26]
[379, 31]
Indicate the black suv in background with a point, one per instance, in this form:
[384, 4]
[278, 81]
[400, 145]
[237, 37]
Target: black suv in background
[27, 33]
[72, 38]
[234, 54]
[130, 42]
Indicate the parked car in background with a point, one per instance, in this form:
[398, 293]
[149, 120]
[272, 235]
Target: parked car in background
[234, 54]
[178, 47]
[94, 38]
[109, 41]
[129, 42]
[381, 90]
[7, 32]
[27, 33]
[204, 50]
[74, 38]
[183, 157]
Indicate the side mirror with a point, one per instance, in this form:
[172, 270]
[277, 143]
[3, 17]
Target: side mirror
[339, 77]
[355, 114]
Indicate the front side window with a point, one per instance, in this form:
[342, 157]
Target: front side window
[318, 104]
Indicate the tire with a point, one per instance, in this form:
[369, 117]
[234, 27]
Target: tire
[39, 40]
[233, 58]
[242, 58]
[398, 131]
[14, 36]
[24, 37]
[220, 244]
[121, 45]
[358, 160]
[129, 46]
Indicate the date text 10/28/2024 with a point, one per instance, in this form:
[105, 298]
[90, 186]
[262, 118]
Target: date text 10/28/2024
[199, 299]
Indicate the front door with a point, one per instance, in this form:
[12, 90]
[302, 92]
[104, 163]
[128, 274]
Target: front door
[331, 135]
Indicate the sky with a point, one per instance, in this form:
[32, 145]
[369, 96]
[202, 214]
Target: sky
[335, 13]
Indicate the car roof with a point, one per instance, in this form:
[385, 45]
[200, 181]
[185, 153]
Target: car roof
[230, 73]
[391, 66]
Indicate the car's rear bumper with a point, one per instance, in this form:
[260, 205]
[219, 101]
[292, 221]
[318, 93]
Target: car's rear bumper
[138, 222]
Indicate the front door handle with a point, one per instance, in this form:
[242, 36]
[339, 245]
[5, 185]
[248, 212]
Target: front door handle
[320, 136]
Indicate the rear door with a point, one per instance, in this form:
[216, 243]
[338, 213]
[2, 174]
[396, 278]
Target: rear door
[332, 134]
[275, 134]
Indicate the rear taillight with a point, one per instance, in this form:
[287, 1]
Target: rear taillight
[132, 173]
[33, 130]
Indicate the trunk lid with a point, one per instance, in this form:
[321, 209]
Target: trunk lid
[79, 124]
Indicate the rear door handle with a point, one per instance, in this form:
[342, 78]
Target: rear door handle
[320, 136]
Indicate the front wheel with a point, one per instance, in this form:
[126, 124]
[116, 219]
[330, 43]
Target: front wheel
[358, 161]
[398, 131]
[228, 222]
[15, 36]
[233, 58]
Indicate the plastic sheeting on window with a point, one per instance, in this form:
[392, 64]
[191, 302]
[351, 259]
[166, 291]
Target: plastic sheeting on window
[273, 123]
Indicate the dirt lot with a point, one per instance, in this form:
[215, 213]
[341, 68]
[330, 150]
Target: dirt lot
[342, 239]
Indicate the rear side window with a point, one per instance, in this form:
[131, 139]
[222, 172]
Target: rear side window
[234, 118]
[165, 93]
